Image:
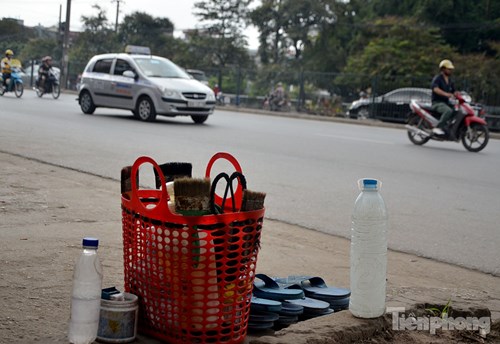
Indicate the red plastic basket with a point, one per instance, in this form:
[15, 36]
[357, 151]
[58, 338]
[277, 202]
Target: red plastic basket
[193, 274]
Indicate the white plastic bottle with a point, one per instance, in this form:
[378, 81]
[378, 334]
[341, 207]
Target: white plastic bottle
[368, 252]
[86, 295]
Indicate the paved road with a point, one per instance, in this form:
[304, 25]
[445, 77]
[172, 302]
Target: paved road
[443, 201]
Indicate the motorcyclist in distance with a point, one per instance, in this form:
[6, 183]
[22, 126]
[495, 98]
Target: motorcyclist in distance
[44, 72]
[6, 66]
[442, 90]
[278, 95]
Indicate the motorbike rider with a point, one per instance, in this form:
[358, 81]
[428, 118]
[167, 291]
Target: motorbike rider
[442, 90]
[278, 95]
[44, 72]
[6, 66]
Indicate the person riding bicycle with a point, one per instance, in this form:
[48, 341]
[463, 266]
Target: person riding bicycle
[44, 73]
[442, 90]
[6, 66]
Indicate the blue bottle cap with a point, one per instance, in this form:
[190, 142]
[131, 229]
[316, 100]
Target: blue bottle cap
[369, 184]
[90, 242]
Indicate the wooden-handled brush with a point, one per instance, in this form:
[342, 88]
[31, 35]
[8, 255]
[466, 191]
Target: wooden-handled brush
[252, 200]
[192, 196]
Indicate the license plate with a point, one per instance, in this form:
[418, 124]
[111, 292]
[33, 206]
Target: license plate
[196, 103]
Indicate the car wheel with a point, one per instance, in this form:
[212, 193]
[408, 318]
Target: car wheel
[86, 103]
[199, 119]
[145, 109]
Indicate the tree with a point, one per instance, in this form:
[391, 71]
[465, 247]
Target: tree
[222, 39]
[141, 28]
[13, 36]
[270, 20]
[397, 48]
[466, 25]
[98, 37]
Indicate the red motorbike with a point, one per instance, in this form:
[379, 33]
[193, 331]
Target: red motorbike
[465, 126]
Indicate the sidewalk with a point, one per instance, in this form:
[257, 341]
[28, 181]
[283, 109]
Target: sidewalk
[46, 210]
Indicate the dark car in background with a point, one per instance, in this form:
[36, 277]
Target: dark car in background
[198, 75]
[392, 107]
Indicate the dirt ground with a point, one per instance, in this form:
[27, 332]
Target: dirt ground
[46, 210]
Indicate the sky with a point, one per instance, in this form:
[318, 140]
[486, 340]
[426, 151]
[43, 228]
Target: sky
[46, 12]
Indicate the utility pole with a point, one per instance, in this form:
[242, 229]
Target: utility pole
[66, 45]
[117, 12]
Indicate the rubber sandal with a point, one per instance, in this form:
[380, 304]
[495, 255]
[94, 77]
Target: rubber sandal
[259, 304]
[260, 325]
[290, 309]
[306, 316]
[316, 286]
[310, 305]
[267, 288]
[256, 317]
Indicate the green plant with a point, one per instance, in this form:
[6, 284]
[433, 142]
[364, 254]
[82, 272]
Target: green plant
[438, 312]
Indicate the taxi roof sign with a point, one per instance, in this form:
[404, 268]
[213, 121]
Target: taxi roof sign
[136, 49]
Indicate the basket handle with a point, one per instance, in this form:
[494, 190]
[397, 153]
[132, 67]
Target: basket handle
[238, 194]
[158, 197]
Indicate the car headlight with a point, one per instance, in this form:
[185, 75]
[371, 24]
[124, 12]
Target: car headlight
[210, 96]
[169, 93]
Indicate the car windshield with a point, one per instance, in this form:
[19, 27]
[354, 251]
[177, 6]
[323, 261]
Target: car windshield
[160, 68]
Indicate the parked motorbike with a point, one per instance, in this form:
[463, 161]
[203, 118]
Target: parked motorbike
[273, 103]
[14, 83]
[51, 85]
[465, 125]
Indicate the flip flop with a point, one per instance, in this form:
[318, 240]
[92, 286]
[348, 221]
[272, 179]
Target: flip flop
[306, 316]
[310, 305]
[259, 304]
[287, 320]
[260, 325]
[316, 286]
[267, 288]
[256, 317]
[290, 309]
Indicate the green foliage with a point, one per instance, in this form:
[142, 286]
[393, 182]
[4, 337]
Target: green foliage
[142, 29]
[222, 42]
[395, 50]
[35, 49]
[13, 36]
[97, 38]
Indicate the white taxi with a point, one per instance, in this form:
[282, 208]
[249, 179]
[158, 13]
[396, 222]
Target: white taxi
[147, 85]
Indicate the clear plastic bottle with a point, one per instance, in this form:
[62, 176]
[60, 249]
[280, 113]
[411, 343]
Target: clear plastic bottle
[368, 252]
[86, 295]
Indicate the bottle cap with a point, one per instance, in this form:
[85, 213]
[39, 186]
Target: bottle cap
[369, 183]
[90, 242]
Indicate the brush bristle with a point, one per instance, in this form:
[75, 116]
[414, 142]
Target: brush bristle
[192, 194]
[192, 187]
[252, 200]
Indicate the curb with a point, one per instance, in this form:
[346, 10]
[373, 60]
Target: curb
[298, 115]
